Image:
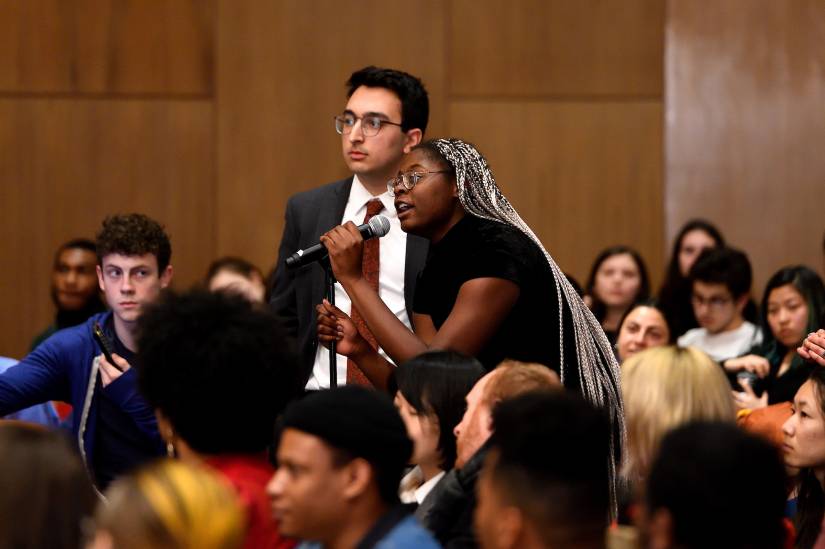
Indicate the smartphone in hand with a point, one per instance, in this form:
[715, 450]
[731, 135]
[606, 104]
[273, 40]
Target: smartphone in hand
[105, 344]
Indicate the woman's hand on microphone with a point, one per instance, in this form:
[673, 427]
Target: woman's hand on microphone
[345, 246]
[335, 325]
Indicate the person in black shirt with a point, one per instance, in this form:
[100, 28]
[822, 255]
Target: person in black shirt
[489, 288]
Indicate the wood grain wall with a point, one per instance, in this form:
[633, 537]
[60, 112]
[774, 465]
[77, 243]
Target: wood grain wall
[745, 127]
[209, 114]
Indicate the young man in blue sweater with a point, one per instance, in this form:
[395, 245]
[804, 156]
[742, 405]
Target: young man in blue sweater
[114, 427]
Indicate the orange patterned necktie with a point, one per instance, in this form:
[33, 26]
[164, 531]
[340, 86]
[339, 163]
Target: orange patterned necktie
[370, 263]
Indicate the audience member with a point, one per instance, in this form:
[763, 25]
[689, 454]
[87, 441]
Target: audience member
[386, 115]
[715, 486]
[74, 290]
[617, 279]
[545, 478]
[218, 371]
[489, 288]
[45, 493]
[643, 327]
[666, 387]
[793, 303]
[430, 399]
[804, 448]
[340, 459]
[169, 505]
[234, 274]
[115, 428]
[721, 279]
[676, 291]
[451, 516]
[41, 414]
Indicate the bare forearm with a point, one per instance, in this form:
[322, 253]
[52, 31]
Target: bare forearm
[375, 367]
[392, 335]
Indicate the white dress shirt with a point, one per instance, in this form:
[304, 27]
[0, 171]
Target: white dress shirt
[393, 255]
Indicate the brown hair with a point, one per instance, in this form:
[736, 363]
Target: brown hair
[512, 378]
[45, 492]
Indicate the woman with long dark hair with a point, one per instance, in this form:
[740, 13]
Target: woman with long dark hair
[489, 288]
[617, 280]
[674, 296]
[792, 305]
[804, 449]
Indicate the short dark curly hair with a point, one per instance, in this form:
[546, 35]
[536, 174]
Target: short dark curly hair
[133, 234]
[415, 103]
[218, 368]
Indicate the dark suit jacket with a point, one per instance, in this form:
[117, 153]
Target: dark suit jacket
[295, 293]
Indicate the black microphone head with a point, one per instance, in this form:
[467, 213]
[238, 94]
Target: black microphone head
[379, 225]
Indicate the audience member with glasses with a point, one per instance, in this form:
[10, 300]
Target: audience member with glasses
[385, 116]
[721, 285]
[489, 289]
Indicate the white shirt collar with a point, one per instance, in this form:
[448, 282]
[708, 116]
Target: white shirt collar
[422, 491]
[360, 195]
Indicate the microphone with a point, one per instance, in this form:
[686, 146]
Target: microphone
[376, 227]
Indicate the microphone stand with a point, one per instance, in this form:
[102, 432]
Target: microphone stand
[329, 284]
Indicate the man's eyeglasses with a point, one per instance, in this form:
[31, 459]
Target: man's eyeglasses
[370, 124]
[408, 180]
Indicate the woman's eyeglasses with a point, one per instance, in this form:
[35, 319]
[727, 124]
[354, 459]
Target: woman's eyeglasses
[408, 180]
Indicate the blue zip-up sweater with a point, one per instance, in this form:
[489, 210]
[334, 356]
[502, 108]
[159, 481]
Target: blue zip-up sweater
[64, 367]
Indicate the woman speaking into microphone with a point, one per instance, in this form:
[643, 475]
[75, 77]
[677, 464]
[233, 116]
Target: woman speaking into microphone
[489, 288]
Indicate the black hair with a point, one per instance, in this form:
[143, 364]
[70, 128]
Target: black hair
[232, 264]
[220, 369]
[725, 265]
[356, 422]
[810, 287]
[722, 486]
[551, 453]
[45, 492]
[75, 244]
[598, 307]
[134, 234]
[435, 383]
[415, 104]
[675, 292]
[811, 498]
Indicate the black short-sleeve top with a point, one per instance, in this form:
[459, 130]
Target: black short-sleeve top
[480, 248]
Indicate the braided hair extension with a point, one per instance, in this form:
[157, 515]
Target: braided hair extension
[598, 371]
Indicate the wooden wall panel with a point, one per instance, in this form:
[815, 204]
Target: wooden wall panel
[281, 73]
[107, 46]
[745, 125]
[583, 175]
[65, 164]
[556, 47]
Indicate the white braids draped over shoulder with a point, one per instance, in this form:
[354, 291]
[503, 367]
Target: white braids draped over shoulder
[598, 371]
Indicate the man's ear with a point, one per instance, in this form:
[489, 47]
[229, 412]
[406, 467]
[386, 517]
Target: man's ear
[166, 276]
[660, 529]
[742, 302]
[358, 476]
[413, 138]
[99, 272]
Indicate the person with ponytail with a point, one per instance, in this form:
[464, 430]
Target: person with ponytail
[489, 288]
